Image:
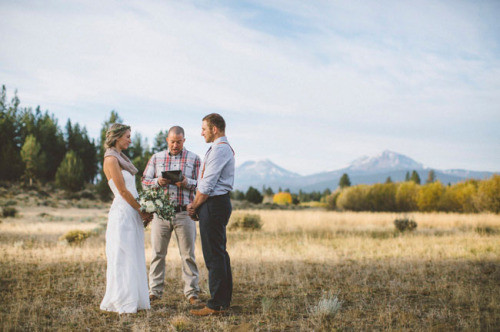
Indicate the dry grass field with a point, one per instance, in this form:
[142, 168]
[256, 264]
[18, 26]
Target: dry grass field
[444, 276]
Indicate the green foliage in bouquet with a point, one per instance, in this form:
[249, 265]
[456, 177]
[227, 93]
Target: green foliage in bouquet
[156, 200]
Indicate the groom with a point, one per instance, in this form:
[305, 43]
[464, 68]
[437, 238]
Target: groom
[212, 207]
[176, 158]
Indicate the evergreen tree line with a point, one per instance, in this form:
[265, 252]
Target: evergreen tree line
[267, 195]
[34, 148]
[252, 195]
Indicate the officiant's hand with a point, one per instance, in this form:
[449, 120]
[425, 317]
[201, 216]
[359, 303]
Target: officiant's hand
[163, 182]
[183, 183]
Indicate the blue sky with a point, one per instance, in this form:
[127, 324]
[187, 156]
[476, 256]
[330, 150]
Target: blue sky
[310, 85]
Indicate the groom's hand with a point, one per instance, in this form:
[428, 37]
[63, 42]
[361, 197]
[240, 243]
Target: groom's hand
[190, 209]
[192, 212]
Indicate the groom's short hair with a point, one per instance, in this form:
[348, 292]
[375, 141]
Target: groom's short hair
[176, 130]
[214, 119]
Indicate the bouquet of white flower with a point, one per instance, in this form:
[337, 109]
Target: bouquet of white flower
[155, 200]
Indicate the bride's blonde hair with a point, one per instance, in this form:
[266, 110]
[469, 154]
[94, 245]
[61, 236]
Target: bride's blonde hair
[114, 132]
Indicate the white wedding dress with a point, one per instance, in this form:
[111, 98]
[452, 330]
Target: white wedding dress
[126, 278]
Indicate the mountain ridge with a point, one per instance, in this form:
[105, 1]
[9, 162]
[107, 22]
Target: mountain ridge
[363, 170]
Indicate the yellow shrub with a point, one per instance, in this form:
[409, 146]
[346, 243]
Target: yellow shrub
[429, 196]
[488, 194]
[406, 196]
[459, 197]
[354, 198]
[282, 198]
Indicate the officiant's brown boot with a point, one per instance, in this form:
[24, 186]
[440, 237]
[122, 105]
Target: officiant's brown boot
[153, 297]
[206, 311]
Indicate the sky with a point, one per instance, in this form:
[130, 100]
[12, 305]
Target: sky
[309, 85]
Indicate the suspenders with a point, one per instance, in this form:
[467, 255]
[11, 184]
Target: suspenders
[204, 162]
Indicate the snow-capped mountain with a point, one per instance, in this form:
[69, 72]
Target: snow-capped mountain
[251, 173]
[385, 161]
[463, 173]
[362, 170]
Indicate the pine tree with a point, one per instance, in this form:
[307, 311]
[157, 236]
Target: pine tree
[407, 176]
[431, 176]
[78, 141]
[140, 154]
[69, 175]
[237, 195]
[47, 132]
[160, 143]
[388, 180]
[253, 196]
[3, 99]
[415, 177]
[30, 153]
[11, 164]
[344, 181]
[268, 191]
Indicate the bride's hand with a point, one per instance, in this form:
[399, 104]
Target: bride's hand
[146, 216]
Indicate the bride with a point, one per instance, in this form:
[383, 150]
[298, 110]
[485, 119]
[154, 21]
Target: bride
[126, 280]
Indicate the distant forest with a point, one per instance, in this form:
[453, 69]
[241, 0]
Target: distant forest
[35, 149]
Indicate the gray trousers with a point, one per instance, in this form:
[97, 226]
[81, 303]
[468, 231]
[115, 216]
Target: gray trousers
[185, 232]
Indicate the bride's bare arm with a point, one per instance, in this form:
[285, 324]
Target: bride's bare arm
[113, 171]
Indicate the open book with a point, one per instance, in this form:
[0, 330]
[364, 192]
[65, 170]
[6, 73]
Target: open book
[173, 176]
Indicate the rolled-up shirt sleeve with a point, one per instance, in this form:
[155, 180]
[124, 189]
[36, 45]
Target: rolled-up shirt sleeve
[217, 159]
[193, 180]
[148, 177]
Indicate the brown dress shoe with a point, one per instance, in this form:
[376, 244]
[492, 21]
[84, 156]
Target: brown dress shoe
[206, 311]
[153, 297]
[194, 300]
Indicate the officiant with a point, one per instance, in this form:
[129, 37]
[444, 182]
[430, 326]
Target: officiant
[161, 171]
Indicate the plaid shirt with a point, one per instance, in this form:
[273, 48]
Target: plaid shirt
[186, 161]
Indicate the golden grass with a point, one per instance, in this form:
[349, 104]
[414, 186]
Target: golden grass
[314, 220]
[443, 276]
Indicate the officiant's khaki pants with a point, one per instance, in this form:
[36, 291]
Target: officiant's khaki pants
[185, 231]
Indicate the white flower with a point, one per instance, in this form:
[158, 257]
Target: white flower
[158, 201]
[150, 207]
